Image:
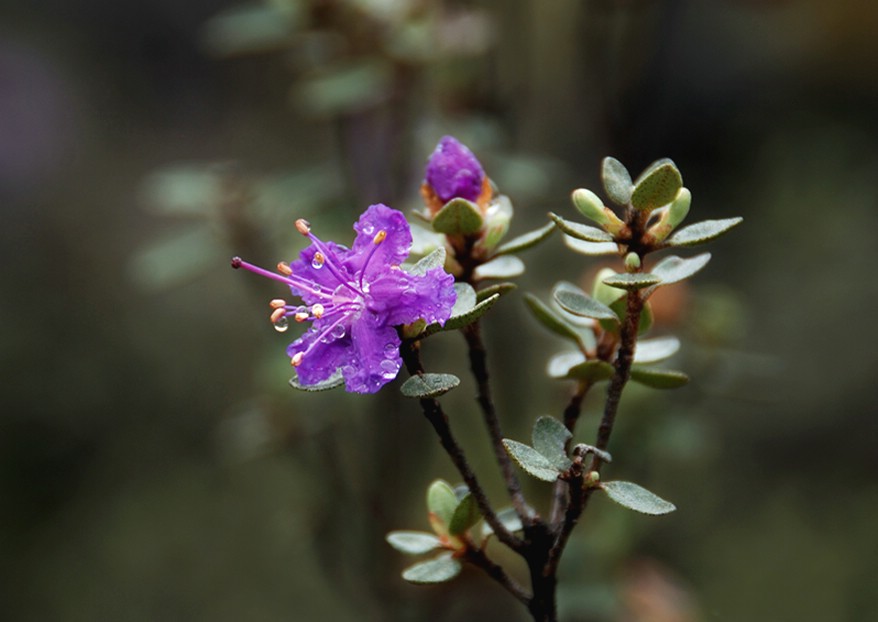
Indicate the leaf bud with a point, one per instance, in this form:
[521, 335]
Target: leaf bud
[670, 218]
[632, 262]
[590, 206]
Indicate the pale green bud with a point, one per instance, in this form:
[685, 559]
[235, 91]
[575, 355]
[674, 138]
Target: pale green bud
[590, 206]
[632, 262]
[671, 216]
[603, 292]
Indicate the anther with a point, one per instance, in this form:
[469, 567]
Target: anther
[277, 314]
[297, 359]
[303, 226]
[300, 317]
[277, 303]
[379, 237]
[284, 268]
[318, 259]
[318, 310]
[236, 262]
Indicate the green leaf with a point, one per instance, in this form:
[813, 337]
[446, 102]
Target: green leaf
[592, 249]
[429, 385]
[438, 570]
[657, 186]
[532, 461]
[591, 371]
[630, 281]
[575, 301]
[441, 500]
[549, 319]
[335, 380]
[637, 498]
[549, 438]
[655, 350]
[658, 378]
[703, 231]
[436, 259]
[526, 240]
[617, 181]
[413, 542]
[500, 289]
[508, 517]
[504, 267]
[465, 301]
[466, 514]
[560, 364]
[580, 231]
[459, 321]
[458, 217]
[673, 269]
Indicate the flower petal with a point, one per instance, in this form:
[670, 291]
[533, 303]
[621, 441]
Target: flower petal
[322, 361]
[453, 171]
[305, 268]
[403, 298]
[392, 251]
[375, 358]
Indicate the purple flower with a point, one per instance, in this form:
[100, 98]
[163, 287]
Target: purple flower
[354, 299]
[453, 171]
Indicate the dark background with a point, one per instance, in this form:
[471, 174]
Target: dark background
[155, 465]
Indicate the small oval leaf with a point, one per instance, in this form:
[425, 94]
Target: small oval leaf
[532, 461]
[560, 364]
[509, 518]
[658, 378]
[575, 301]
[703, 231]
[580, 231]
[458, 217]
[630, 281]
[549, 319]
[504, 267]
[592, 249]
[413, 542]
[435, 259]
[429, 385]
[441, 500]
[466, 514]
[637, 498]
[617, 181]
[591, 371]
[658, 186]
[335, 380]
[549, 438]
[500, 289]
[526, 240]
[655, 350]
[438, 570]
[673, 269]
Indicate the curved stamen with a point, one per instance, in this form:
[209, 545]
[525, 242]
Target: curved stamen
[325, 254]
[291, 280]
[376, 242]
[299, 356]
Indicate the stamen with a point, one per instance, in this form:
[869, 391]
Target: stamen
[317, 310]
[284, 268]
[300, 317]
[277, 303]
[325, 259]
[297, 359]
[303, 226]
[318, 260]
[289, 280]
[277, 314]
[376, 241]
[236, 262]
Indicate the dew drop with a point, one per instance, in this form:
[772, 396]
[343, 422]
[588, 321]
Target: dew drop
[390, 351]
[316, 263]
[338, 332]
[281, 324]
[388, 368]
[368, 229]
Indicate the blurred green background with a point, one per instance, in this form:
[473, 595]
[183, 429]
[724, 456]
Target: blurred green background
[155, 466]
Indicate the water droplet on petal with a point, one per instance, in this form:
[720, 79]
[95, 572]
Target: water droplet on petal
[388, 368]
[368, 229]
[281, 324]
[338, 332]
[316, 263]
[390, 351]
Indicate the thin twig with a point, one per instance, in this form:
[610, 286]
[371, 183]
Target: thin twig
[432, 410]
[479, 367]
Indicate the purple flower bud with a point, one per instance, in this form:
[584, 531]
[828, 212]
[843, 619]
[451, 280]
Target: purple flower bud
[355, 298]
[454, 172]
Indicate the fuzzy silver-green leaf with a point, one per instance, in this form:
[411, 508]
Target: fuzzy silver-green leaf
[531, 461]
[573, 300]
[617, 181]
[580, 231]
[703, 231]
[526, 240]
[658, 378]
[413, 542]
[442, 568]
[429, 385]
[657, 186]
[637, 498]
[549, 437]
[504, 267]
[458, 217]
